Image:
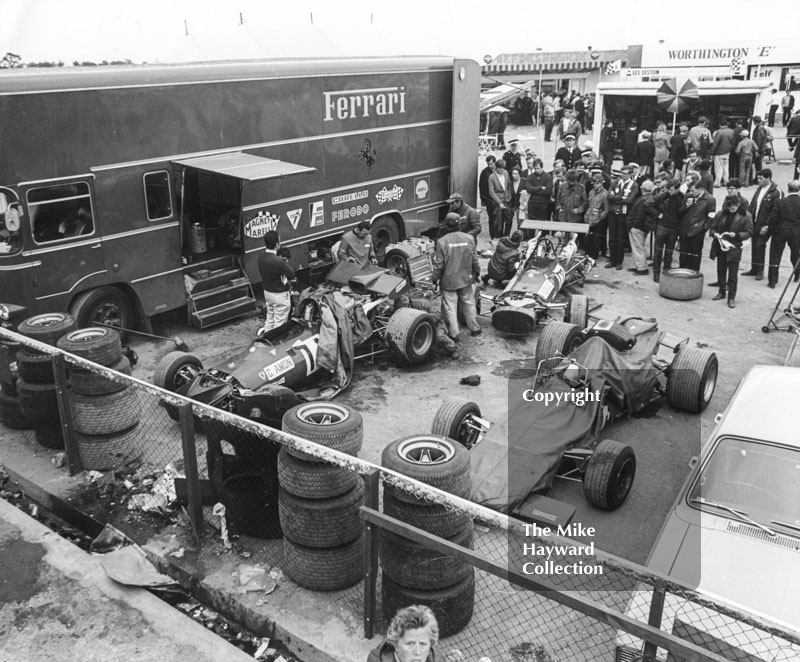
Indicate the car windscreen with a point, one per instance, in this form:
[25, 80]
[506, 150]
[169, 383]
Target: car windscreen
[758, 479]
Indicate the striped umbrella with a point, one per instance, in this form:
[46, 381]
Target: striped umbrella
[675, 98]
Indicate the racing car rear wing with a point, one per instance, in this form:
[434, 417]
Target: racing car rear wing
[554, 226]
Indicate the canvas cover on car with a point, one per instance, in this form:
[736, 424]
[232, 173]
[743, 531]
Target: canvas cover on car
[520, 455]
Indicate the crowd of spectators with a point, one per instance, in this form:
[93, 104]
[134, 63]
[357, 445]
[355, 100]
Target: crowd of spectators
[662, 195]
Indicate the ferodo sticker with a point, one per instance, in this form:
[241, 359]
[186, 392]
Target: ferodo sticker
[270, 372]
[261, 224]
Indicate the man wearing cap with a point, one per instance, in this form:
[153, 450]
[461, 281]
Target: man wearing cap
[570, 154]
[513, 157]
[621, 197]
[500, 193]
[456, 269]
[746, 152]
[356, 246]
[469, 218]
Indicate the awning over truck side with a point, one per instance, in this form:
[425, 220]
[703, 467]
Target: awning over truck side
[246, 167]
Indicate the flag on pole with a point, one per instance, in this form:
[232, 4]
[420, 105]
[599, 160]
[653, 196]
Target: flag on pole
[737, 65]
[613, 67]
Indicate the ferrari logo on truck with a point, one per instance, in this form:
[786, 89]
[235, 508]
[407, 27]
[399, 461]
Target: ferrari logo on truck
[350, 104]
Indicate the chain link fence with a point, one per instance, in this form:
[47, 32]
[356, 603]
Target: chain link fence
[322, 512]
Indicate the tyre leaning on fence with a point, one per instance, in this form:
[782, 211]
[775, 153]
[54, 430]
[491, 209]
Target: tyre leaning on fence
[319, 502]
[681, 284]
[445, 584]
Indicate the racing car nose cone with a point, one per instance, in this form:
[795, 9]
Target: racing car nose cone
[517, 321]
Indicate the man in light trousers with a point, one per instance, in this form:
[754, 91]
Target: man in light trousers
[456, 269]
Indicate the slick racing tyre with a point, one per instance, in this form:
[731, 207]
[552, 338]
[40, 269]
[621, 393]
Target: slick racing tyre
[681, 284]
[692, 379]
[609, 475]
[410, 335]
[577, 311]
[454, 420]
[557, 339]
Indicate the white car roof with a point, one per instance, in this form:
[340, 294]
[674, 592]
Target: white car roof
[766, 406]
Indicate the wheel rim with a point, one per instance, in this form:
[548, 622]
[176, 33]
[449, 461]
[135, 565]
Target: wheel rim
[709, 385]
[397, 265]
[322, 414]
[426, 450]
[624, 480]
[184, 375]
[422, 339]
[108, 313]
[46, 319]
[87, 335]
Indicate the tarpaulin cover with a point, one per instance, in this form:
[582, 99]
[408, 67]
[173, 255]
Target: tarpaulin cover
[521, 454]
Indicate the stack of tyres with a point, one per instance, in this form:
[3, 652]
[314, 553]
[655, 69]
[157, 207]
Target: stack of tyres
[319, 502]
[36, 384]
[10, 409]
[412, 573]
[245, 481]
[105, 412]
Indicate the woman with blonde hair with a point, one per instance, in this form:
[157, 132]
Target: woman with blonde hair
[410, 637]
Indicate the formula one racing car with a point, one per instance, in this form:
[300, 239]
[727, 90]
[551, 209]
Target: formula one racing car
[552, 261]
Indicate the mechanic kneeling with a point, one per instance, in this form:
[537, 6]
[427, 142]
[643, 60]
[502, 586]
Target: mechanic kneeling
[505, 260]
[434, 307]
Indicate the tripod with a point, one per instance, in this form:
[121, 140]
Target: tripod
[789, 316]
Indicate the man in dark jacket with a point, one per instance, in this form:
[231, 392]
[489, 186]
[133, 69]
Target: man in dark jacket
[668, 200]
[630, 138]
[730, 228]
[540, 189]
[697, 212]
[503, 264]
[469, 218]
[641, 221]
[761, 208]
[483, 186]
[569, 153]
[760, 138]
[621, 197]
[456, 269]
[276, 275]
[784, 228]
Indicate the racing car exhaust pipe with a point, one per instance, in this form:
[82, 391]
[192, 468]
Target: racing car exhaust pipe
[179, 344]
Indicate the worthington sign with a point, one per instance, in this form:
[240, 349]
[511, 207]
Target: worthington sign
[718, 53]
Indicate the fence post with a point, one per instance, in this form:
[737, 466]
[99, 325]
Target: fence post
[372, 535]
[193, 492]
[65, 414]
[654, 619]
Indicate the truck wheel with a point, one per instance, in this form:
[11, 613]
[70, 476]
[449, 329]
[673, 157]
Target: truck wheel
[410, 564]
[322, 522]
[331, 425]
[577, 311]
[557, 339]
[691, 379]
[410, 335]
[46, 328]
[384, 232]
[35, 368]
[105, 414]
[609, 474]
[103, 306]
[442, 521]
[86, 382]
[175, 370]
[430, 459]
[453, 420]
[98, 344]
[681, 284]
[452, 606]
[324, 569]
[313, 480]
